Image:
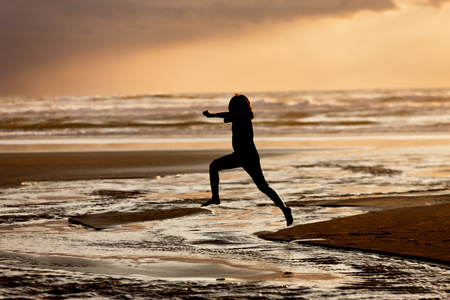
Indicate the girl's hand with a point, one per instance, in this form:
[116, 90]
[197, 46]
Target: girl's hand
[207, 114]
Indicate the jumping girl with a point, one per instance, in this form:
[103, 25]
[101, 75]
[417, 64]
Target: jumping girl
[245, 155]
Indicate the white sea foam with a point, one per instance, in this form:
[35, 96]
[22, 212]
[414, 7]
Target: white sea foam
[287, 113]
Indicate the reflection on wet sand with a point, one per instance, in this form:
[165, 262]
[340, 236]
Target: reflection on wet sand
[160, 258]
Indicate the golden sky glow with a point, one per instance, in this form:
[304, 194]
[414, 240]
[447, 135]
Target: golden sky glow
[131, 46]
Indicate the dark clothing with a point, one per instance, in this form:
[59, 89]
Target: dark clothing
[250, 164]
[242, 140]
[245, 155]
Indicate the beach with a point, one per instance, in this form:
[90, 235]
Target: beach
[429, 228]
[144, 207]
[100, 197]
[411, 225]
[224, 150]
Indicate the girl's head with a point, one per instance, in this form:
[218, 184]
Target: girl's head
[239, 103]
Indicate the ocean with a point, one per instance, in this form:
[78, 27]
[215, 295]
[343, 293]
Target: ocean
[180, 115]
[348, 144]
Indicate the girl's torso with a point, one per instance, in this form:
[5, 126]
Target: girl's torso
[243, 143]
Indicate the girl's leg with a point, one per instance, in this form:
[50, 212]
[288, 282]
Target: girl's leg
[255, 172]
[226, 162]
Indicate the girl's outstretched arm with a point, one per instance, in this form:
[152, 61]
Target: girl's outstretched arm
[218, 115]
[227, 116]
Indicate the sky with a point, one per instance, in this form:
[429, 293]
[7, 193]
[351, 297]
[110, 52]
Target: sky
[81, 47]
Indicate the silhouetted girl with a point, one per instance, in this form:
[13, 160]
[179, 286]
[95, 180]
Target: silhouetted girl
[245, 155]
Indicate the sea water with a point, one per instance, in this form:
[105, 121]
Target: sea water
[216, 254]
[281, 113]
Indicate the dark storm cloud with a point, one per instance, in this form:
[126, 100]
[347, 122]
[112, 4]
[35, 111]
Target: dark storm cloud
[40, 33]
[152, 17]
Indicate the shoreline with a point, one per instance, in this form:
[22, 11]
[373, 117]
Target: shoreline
[183, 143]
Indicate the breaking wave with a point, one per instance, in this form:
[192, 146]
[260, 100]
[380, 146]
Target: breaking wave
[292, 113]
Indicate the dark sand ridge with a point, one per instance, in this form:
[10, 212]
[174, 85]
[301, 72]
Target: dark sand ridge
[42, 166]
[84, 165]
[109, 220]
[418, 227]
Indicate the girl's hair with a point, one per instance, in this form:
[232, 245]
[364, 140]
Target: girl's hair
[240, 103]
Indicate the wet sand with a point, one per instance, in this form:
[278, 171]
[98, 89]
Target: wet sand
[109, 220]
[85, 165]
[413, 225]
[403, 225]
[408, 226]
[45, 166]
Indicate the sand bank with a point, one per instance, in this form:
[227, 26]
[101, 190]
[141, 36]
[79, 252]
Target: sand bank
[108, 220]
[85, 165]
[418, 231]
[43, 166]
[377, 202]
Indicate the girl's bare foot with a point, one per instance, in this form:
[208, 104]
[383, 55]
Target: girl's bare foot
[288, 215]
[212, 201]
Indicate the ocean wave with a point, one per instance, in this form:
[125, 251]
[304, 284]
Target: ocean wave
[316, 123]
[293, 112]
[55, 124]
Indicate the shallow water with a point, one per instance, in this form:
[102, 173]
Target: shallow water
[216, 254]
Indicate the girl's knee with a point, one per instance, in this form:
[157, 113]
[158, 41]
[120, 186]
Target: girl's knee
[214, 166]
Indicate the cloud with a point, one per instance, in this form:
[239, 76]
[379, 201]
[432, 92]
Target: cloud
[40, 33]
[436, 3]
[158, 18]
